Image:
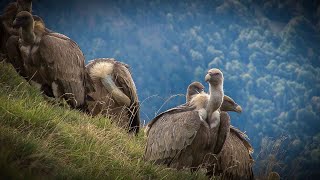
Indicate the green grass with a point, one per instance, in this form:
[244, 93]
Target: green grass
[39, 140]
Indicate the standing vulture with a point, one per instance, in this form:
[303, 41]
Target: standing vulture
[234, 160]
[183, 136]
[13, 48]
[7, 18]
[10, 36]
[52, 61]
[116, 93]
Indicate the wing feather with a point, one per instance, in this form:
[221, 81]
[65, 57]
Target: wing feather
[235, 159]
[65, 64]
[223, 133]
[181, 108]
[171, 134]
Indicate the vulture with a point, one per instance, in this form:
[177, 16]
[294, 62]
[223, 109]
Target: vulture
[7, 18]
[183, 136]
[235, 160]
[10, 35]
[52, 61]
[13, 48]
[115, 93]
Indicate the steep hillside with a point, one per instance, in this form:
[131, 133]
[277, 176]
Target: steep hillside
[38, 140]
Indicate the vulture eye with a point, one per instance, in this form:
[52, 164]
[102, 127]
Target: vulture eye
[216, 74]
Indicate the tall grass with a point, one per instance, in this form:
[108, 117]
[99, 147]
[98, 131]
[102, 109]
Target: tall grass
[39, 140]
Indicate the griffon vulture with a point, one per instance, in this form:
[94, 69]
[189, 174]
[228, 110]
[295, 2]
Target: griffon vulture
[234, 160]
[181, 137]
[52, 61]
[10, 35]
[7, 18]
[116, 94]
[228, 104]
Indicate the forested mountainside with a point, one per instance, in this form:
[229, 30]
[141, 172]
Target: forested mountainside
[268, 51]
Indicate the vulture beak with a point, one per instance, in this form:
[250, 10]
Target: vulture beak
[207, 78]
[238, 109]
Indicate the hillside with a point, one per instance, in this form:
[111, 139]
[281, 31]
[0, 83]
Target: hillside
[40, 140]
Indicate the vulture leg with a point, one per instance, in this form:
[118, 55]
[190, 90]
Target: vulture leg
[14, 56]
[223, 132]
[118, 95]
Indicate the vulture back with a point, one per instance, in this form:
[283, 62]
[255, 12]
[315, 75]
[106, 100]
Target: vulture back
[178, 139]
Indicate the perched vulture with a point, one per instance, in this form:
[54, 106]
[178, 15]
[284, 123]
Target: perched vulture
[116, 94]
[183, 136]
[234, 160]
[13, 49]
[10, 35]
[228, 104]
[7, 18]
[52, 61]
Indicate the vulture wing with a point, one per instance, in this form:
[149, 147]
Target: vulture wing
[14, 55]
[243, 137]
[170, 134]
[223, 132]
[65, 63]
[236, 161]
[181, 108]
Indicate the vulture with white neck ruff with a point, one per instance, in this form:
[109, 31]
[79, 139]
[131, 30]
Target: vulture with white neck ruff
[235, 160]
[181, 137]
[116, 94]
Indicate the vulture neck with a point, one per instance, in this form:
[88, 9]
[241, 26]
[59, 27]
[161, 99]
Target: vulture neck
[27, 34]
[215, 99]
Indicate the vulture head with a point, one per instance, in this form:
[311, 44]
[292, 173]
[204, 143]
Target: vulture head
[214, 77]
[23, 19]
[228, 104]
[193, 89]
[24, 5]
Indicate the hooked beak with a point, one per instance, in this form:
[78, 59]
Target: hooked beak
[238, 109]
[207, 78]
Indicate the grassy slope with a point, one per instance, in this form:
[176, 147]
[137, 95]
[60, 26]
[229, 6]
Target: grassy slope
[40, 140]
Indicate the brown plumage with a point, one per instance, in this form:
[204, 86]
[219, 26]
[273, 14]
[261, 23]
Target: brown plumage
[234, 160]
[181, 137]
[7, 18]
[116, 94]
[196, 89]
[10, 36]
[52, 61]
